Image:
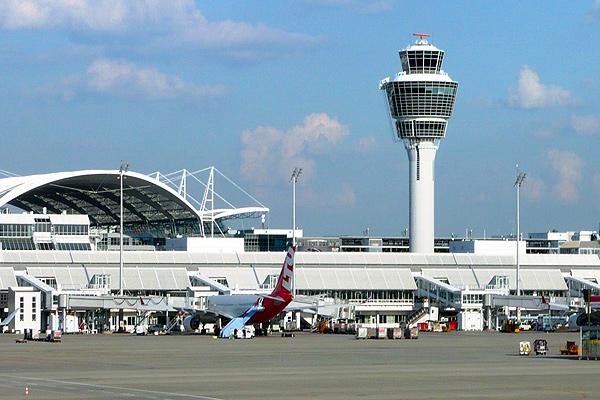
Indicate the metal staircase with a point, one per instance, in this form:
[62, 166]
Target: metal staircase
[417, 316]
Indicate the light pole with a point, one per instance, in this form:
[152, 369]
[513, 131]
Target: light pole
[517, 185]
[122, 170]
[294, 179]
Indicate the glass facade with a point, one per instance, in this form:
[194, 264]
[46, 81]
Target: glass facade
[13, 243]
[421, 99]
[265, 242]
[73, 246]
[70, 229]
[42, 225]
[421, 61]
[412, 128]
[16, 230]
[21, 236]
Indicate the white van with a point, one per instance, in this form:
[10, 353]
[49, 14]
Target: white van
[247, 332]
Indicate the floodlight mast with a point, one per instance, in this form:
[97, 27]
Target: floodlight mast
[518, 182]
[294, 179]
[122, 170]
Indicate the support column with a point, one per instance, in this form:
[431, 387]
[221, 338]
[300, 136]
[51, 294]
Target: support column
[63, 314]
[421, 156]
[120, 320]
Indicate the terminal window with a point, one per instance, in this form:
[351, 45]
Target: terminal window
[33, 308]
[21, 309]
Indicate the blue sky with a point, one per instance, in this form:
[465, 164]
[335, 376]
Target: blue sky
[258, 87]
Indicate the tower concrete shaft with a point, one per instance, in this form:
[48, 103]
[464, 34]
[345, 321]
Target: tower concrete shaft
[421, 157]
[420, 101]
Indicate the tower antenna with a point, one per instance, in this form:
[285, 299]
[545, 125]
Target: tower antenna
[421, 35]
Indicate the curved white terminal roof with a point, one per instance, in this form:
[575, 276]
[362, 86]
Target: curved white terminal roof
[147, 200]
[96, 193]
[222, 214]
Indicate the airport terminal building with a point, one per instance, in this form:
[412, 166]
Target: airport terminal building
[60, 262]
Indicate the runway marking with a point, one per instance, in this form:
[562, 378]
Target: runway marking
[91, 385]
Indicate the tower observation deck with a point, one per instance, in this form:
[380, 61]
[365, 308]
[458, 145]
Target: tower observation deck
[421, 100]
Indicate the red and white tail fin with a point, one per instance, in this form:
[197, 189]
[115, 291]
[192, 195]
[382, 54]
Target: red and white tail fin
[285, 283]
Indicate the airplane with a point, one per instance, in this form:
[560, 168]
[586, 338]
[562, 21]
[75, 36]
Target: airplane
[248, 309]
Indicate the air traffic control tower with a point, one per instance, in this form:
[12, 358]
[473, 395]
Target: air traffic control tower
[420, 99]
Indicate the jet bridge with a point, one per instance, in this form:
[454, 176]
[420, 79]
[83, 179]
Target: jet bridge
[527, 302]
[438, 291]
[141, 303]
[576, 285]
[46, 290]
[212, 284]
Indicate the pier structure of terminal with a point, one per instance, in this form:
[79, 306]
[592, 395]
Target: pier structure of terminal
[420, 100]
[59, 262]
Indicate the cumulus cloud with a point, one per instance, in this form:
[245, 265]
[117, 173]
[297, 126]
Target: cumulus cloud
[568, 171]
[585, 124]
[533, 188]
[344, 196]
[360, 6]
[594, 12]
[122, 78]
[367, 143]
[173, 22]
[531, 93]
[330, 197]
[270, 154]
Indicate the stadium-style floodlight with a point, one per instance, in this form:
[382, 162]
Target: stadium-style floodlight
[518, 182]
[122, 170]
[294, 179]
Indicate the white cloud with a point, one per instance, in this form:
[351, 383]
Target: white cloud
[97, 15]
[170, 23]
[531, 93]
[344, 196]
[534, 188]
[122, 78]
[568, 169]
[593, 13]
[329, 197]
[269, 154]
[585, 124]
[360, 6]
[367, 143]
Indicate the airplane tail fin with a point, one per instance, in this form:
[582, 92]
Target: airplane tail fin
[285, 283]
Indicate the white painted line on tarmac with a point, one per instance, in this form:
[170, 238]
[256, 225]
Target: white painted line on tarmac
[91, 385]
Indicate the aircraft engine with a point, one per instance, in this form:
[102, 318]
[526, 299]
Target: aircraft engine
[191, 323]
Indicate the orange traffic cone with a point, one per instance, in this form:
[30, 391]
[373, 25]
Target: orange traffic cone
[26, 390]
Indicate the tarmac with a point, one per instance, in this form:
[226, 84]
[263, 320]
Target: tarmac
[309, 366]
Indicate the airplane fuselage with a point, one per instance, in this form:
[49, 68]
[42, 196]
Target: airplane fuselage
[237, 304]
